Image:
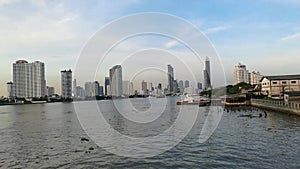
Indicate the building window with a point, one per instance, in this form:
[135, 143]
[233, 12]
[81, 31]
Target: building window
[294, 82]
[274, 82]
[284, 82]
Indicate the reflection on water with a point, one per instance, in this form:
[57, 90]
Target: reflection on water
[49, 135]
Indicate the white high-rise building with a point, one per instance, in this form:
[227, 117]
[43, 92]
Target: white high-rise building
[126, 87]
[92, 89]
[29, 79]
[74, 88]
[255, 78]
[150, 86]
[131, 89]
[116, 81]
[241, 74]
[66, 83]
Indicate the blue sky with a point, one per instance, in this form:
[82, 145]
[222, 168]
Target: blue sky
[263, 34]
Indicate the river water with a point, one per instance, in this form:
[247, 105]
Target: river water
[49, 136]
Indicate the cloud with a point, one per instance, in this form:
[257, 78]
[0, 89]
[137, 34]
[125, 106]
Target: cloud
[171, 44]
[6, 2]
[216, 29]
[68, 19]
[291, 37]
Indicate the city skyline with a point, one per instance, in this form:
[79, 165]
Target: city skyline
[254, 35]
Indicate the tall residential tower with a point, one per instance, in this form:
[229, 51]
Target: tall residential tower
[66, 83]
[29, 79]
[116, 81]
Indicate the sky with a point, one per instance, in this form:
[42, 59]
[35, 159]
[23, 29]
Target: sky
[263, 34]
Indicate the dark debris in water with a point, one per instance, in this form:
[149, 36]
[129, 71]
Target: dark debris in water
[83, 139]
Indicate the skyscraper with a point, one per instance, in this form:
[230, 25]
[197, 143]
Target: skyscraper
[116, 81]
[144, 87]
[170, 78]
[10, 89]
[29, 79]
[126, 87]
[101, 91]
[50, 91]
[186, 84]
[199, 85]
[66, 83]
[92, 89]
[80, 91]
[131, 89]
[150, 87]
[175, 86]
[88, 89]
[74, 88]
[106, 83]
[181, 87]
[207, 75]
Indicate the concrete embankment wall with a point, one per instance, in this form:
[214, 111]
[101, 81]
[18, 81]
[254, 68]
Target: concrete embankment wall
[290, 107]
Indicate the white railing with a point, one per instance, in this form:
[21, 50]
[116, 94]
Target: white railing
[277, 103]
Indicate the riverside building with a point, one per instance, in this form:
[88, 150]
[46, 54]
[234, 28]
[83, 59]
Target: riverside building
[28, 79]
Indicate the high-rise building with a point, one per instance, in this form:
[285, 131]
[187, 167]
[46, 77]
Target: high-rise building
[88, 88]
[95, 88]
[150, 87]
[116, 81]
[92, 89]
[180, 86]
[108, 90]
[10, 89]
[175, 86]
[186, 84]
[207, 75]
[241, 74]
[50, 91]
[80, 91]
[106, 83]
[74, 88]
[101, 93]
[131, 89]
[29, 79]
[255, 78]
[66, 83]
[170, 78]
[126, 88]
[199, 85]
[144, 87]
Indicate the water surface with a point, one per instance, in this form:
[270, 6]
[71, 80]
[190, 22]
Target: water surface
[49, 136]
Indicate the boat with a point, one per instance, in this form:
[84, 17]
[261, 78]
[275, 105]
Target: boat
[38, 102]
[194, 100]
[204, 102]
